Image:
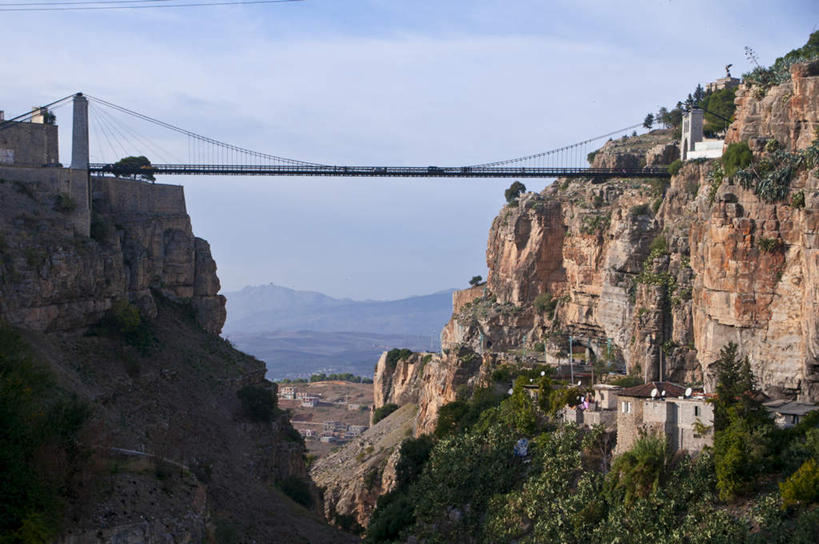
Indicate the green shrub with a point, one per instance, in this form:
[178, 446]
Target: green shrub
[674, 167]
[769, 245]
[737, 156]
[64, 203]
[658, 185]
[546, 304]
[297, 489]
[720, 103]
[395, 355]
[659, 245]
[384, 411]
[348, 523]
[640, 210]
[394, 512]
[640, 471]
[798, 200]
[414, 454]
[124, 319]
[802, 487]
[595, 223]
[40, 452]
[258, 403]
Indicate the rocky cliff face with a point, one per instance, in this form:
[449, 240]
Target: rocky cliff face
[658, 277]
[171, 452]
[141, 241]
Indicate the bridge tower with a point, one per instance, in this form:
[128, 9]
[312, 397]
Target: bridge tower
[691, 131]
[79, 134]
[79, 186]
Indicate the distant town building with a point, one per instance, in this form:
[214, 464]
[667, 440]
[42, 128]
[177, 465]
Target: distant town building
[334, 427]
[309, 401]
[287, 392]
[686, 422]
[357, 429]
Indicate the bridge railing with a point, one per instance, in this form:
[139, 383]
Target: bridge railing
[391, 171]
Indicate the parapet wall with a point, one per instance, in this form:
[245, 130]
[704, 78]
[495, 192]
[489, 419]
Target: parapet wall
[29, 144]
[128, 198]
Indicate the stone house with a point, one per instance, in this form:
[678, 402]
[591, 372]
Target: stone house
[786, 413]
[602, 408]
[685, 421]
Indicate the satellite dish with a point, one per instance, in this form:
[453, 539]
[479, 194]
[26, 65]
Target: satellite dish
[510, 391]
[578, 383]
[654, 393]
[663, 393]
[688, 392]
[542, 372]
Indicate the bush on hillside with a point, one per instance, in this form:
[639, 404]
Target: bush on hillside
[395, 355]
[674, 167]
[802, 488]
[297, 489]
[737, 156]
[258, 403]
[384, 411]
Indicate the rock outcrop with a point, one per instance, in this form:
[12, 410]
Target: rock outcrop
[353, 477]
[142, 242]
[656, 276]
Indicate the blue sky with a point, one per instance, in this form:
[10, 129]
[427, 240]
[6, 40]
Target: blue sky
[381, 82]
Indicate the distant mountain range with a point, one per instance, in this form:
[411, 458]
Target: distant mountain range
[299, 333]
[270, 307]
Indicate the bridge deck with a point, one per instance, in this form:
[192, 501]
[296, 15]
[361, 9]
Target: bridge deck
[393, 171]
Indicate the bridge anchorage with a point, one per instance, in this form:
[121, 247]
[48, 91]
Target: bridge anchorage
[115, 137]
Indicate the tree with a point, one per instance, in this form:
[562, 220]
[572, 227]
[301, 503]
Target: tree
[735, 382]
[649, 121]
[699, 94]
[133, 167]
[514, 191]
[662, 116]
[639, 471]
[475, 281]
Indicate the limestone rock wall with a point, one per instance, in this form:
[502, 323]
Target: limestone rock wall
[576, 260]
[54, 279]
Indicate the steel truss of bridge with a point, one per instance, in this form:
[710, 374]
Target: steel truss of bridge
[391, 171]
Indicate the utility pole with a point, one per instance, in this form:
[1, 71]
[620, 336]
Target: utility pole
[571, 360]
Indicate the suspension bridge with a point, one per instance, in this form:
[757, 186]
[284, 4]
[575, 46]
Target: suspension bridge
[115, 136]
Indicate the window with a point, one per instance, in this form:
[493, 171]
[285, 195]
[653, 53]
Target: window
[626, 407]
[696, 411]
